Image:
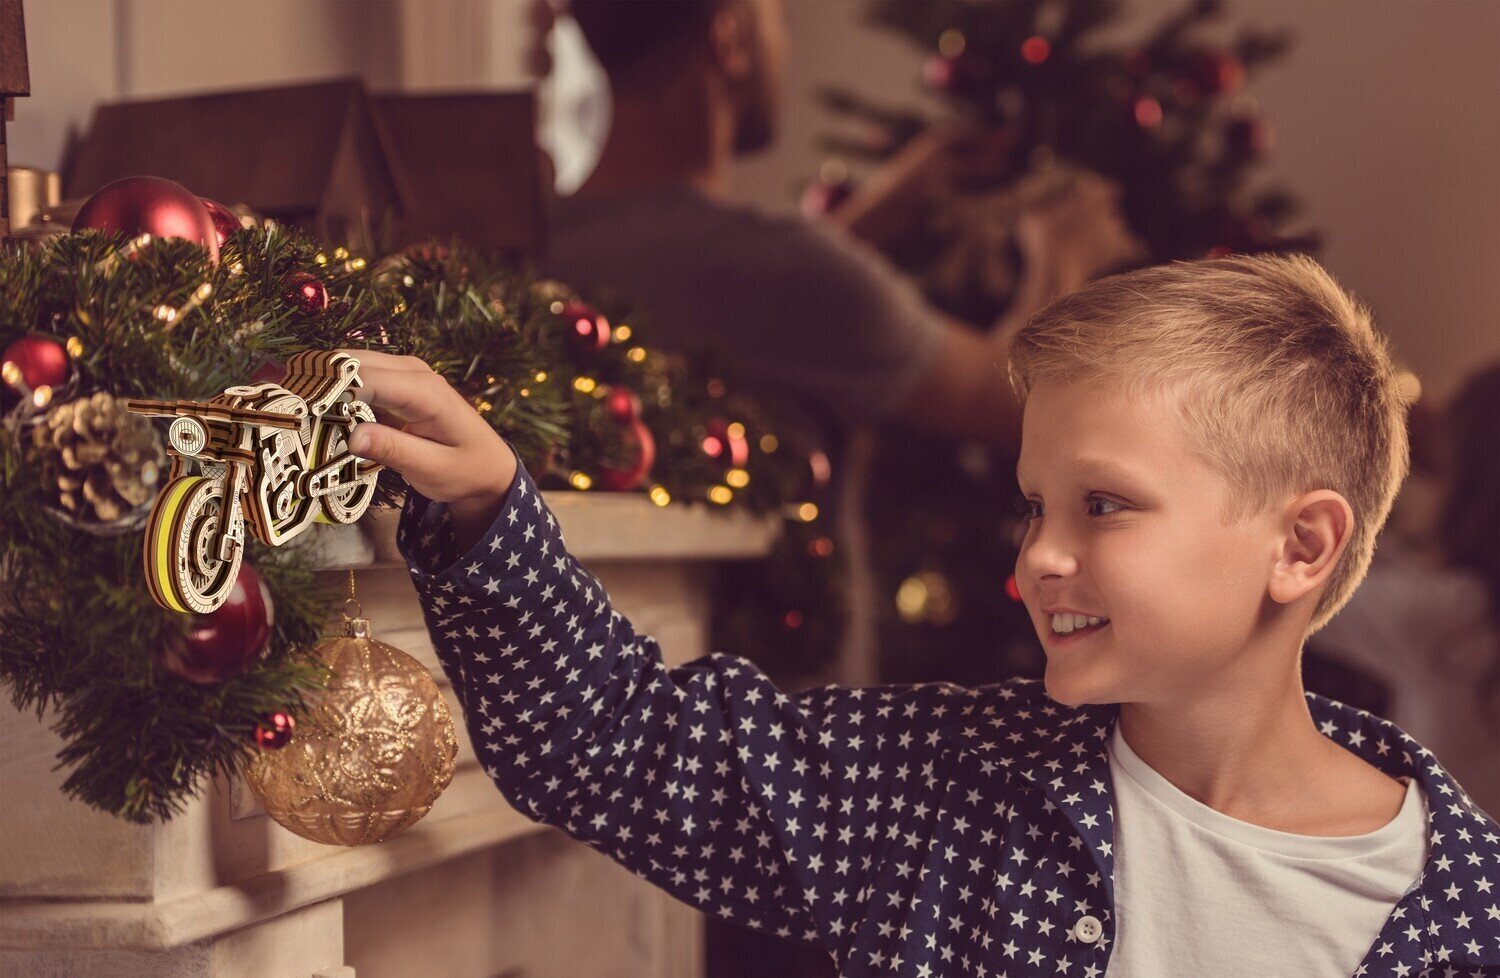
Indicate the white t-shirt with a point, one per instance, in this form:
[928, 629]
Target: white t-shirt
[1200, 893]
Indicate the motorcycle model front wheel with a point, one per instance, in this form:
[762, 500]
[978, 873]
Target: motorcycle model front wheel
[183, 569]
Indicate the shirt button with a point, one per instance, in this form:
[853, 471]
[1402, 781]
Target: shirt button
[1088, 929]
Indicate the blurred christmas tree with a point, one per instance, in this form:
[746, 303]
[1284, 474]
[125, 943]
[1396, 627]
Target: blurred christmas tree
[1166, 116]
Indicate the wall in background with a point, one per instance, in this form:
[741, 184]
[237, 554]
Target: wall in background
[83, 52]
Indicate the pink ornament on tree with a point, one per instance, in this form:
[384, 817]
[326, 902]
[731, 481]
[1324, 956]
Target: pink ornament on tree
[624, 407]
[275, 731]
[588, 328]
[305, 292]
[225, 220]
[227, 641]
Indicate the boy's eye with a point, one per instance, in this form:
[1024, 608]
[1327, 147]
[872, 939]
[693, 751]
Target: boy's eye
[1107, 502]
[1023, 506]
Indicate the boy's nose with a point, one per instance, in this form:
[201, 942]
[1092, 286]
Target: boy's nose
[1041, 559]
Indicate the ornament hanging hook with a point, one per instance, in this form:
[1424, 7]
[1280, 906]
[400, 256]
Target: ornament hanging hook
[350, 602]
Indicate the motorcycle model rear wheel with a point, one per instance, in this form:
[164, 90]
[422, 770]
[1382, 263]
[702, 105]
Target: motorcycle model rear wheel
[347, 504]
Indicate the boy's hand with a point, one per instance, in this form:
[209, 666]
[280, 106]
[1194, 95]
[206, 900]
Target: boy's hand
[442, 447]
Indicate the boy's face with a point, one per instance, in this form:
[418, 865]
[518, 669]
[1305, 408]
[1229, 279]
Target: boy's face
[1143, 547]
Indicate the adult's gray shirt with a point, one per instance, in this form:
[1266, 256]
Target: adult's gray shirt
[801, 312]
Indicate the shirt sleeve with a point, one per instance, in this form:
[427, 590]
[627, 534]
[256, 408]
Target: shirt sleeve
[791, 305]
[767, 809]
[827, 313]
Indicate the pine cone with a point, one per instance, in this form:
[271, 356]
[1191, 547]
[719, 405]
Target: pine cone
[102, 464]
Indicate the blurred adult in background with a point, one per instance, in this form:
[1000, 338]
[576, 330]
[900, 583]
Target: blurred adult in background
[1426, 621]
[803, 311]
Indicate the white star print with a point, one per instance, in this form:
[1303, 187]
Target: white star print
[906, 829]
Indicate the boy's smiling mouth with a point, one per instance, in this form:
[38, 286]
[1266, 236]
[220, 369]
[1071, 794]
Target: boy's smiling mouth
[1066, 628]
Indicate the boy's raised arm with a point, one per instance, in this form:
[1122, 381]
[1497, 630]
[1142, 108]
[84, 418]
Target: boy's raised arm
[768, 809]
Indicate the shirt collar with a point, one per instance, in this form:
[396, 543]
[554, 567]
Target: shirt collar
[1063, 752]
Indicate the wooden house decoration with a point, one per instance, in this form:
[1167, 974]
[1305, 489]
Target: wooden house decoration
[473, 166]
[314, 155]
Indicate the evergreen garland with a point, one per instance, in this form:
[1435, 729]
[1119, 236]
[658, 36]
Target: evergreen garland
[153, 318]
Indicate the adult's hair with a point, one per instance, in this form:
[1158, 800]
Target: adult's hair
[626, 34]
[1282, 382]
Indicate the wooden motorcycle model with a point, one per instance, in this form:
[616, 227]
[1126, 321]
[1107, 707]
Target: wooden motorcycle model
[275, 455]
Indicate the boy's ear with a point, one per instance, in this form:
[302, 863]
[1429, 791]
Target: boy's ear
[1317, 529]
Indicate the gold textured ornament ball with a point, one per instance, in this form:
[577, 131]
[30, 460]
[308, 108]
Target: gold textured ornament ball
[372, 756]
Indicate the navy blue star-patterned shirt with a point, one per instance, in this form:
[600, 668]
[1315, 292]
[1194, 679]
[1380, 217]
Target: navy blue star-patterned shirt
[916, 830]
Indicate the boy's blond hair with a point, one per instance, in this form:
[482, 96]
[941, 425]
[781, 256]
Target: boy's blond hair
[1279, 375]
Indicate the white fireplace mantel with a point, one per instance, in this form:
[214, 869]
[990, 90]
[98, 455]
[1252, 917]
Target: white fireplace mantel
[221, 891]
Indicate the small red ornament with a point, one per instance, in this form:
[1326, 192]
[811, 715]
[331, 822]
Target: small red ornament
[1035, 49]
[1147, 112]
[226, 222]
[150, 205]
[275, 731]
[726, 443]
[227, 641]
[792, 620]
[638, 437]
[305, 292]
[1011, 589]
[1216, 73]
[42, 360]
[623, 404]
[588, 328]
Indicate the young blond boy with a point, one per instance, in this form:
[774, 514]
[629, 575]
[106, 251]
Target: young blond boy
[1208, 452]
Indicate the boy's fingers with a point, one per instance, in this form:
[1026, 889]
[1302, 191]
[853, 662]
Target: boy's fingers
[416, 459]
[415, 397]
[386, 361]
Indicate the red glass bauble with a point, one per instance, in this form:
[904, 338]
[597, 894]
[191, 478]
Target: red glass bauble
[306, 292]
[228, 640]
[42, 360]
[622, 404]
[638, 436]
[275, 731]
[150, 205]
[726, 446]
[226, 222]
[1035, 49]
[588, 328]
[1011, 589]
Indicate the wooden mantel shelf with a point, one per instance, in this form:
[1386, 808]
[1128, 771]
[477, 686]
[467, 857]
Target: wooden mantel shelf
[73, 880]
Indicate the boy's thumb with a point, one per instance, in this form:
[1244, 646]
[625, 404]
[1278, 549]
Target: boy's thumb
[362, 442]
